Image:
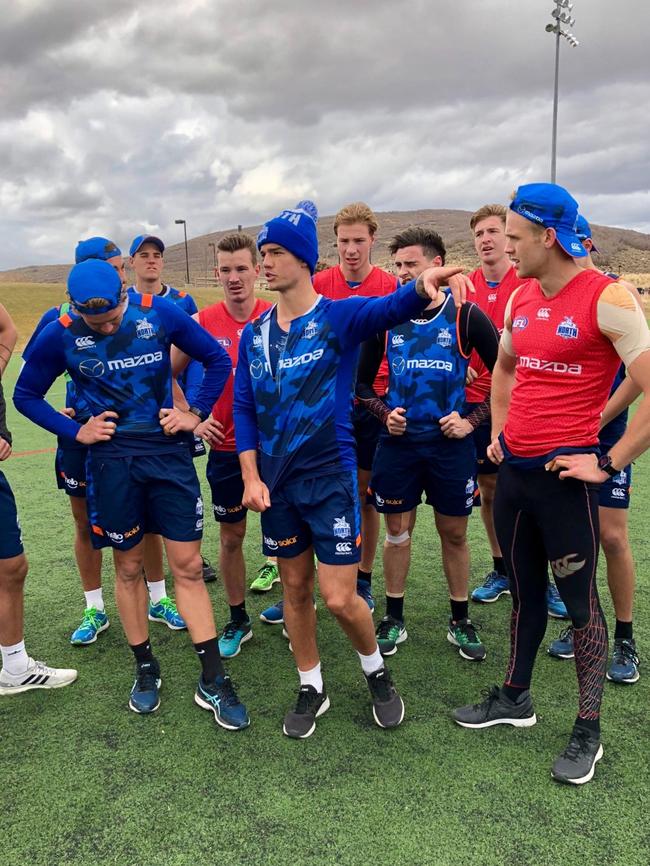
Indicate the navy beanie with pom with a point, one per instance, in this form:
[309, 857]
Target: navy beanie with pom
[295, 230]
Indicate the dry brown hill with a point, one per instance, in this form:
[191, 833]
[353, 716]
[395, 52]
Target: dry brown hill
[621, 250]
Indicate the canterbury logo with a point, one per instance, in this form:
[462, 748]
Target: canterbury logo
[564, 567]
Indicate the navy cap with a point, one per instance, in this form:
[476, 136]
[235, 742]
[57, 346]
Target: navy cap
[146, 239]
[295, 230]
[94, 279]
[96, 248]
[551, 206]
[583, 230]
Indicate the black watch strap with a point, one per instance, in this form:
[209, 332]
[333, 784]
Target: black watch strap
[605, 463]
[198, 412]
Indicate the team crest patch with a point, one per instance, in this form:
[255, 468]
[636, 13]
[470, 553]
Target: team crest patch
[257, 340]
[567, 329]
[144, 329]
[469, 487]
[311, 329]
[341, 528]
[444, 338]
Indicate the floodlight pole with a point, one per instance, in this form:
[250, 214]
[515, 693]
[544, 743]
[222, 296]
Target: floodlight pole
[187, 258]
[561, 15]
[555, 101]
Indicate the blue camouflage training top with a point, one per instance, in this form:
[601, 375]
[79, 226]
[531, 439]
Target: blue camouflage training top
[191, 377]
[128, 372]
[300, 419]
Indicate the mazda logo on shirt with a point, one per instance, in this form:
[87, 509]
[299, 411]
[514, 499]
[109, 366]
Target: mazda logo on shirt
[92, 367]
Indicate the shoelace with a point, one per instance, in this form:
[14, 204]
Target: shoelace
[553, 594]
[381, 685]
[625, 652]
[227, 692]
[265, 572]
[489, 696]
[577, 745]
[305, 699]
[491, 579]
[385, 628]
[566, 634]
[90, 618]
[470, 630]
[146, 680]
[230, 629]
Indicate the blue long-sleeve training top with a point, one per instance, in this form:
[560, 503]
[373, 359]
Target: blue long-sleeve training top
[128, 372]
[300, 419]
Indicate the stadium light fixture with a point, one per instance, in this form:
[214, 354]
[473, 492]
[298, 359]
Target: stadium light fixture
[214, 252]
[560, 15]
[187, 258]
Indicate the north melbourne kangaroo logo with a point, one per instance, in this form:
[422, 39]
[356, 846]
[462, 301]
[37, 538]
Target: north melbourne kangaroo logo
[564, 567]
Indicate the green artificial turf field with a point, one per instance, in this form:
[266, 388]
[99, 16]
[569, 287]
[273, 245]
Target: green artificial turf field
[85, 781]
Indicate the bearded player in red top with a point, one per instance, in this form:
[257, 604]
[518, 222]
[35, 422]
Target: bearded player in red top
[494, 281]
[563, 341]
[237, 269]
[355, 227]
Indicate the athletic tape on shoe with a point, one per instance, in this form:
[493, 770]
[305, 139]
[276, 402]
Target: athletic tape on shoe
[398, 539]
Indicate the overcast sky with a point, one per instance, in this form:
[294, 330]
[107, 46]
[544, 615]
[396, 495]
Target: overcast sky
[120, 117]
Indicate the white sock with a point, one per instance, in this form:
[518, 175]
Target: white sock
[14, 658]
[312, 678]
[371, 663]
[95, 599]
[157, 590]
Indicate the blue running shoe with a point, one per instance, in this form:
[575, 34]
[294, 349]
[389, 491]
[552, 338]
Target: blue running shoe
[94, 622]
[494, 586]
[364, 591]
[625, 662]
[562, 647]
[274, 614]
[145, 696]
[233, 636]
[556, 607]
[220, 697]
[167, 612]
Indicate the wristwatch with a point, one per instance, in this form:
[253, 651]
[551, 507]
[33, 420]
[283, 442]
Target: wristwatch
[605, 463]
[198, 412]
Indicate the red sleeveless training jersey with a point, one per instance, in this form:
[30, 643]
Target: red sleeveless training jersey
[227, 332]
[492, 300]
[565, 367]
[332, 284]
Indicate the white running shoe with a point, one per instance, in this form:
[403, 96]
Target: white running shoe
[37, 676]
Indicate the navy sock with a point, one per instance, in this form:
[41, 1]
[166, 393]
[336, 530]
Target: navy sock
[238, 612]
[364, 575]
[623, 630]
[512, 692]
[211, 664]
[458, 609]
[499, 565]
[395, 607]
[142, 652]
[591, 725]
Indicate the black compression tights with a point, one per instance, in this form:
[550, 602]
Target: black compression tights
[541, 519]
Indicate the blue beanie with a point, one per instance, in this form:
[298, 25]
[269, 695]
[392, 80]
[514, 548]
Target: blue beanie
[295, 230]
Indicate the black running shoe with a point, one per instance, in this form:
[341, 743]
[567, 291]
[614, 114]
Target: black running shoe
[497, 709]
[300, 723]
[387, 706]
[577, 763]
[209, 574]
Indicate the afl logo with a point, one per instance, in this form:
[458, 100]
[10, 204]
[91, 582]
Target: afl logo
[224, 342]
[92, 367]
[257, 368]
[398, 365]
